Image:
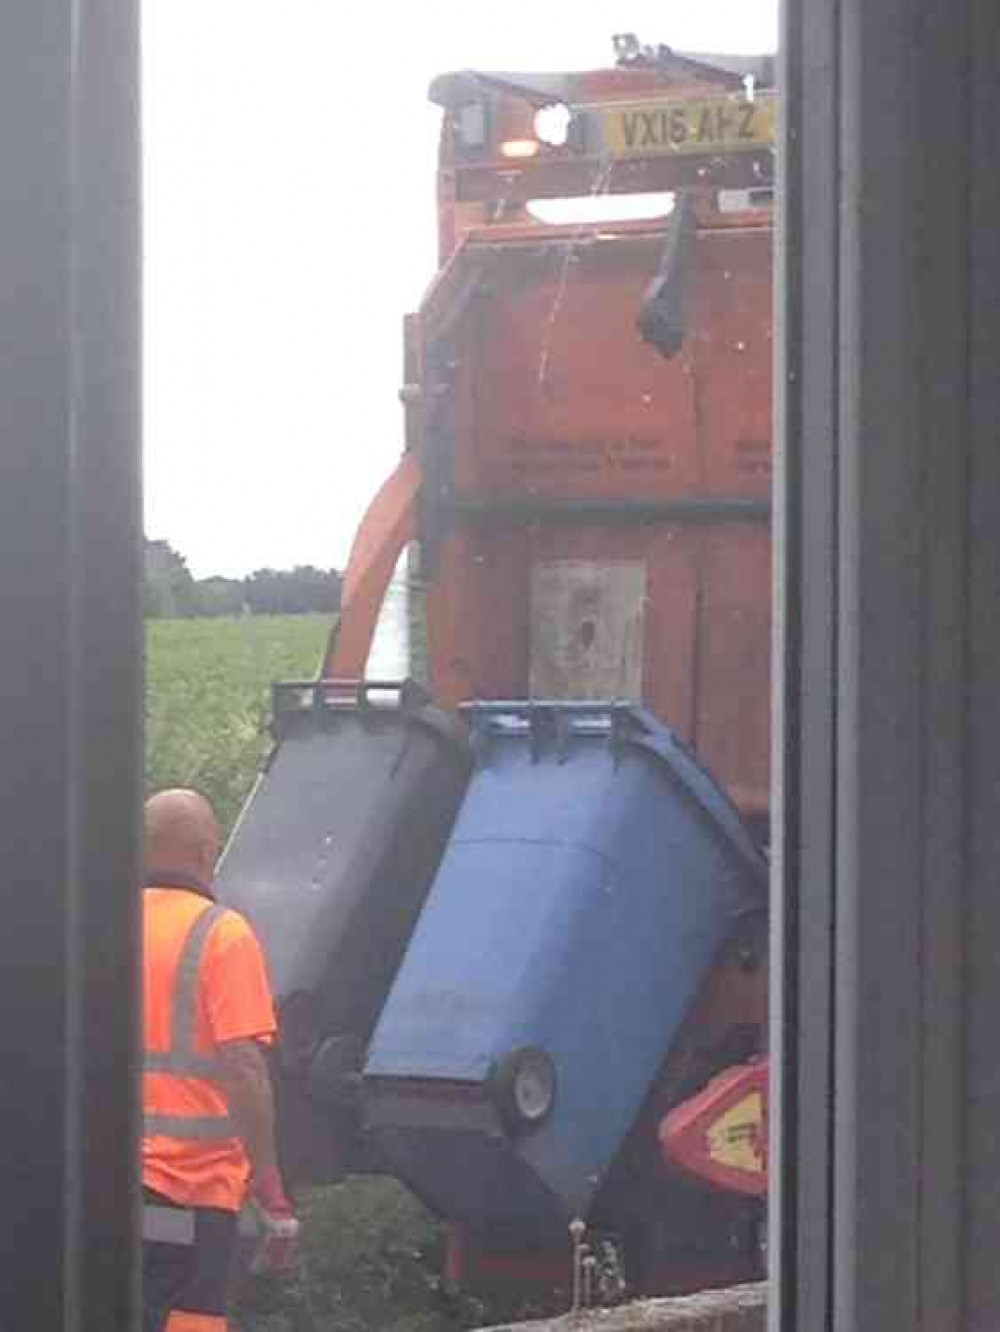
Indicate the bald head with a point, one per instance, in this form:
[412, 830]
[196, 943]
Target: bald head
[180, 835]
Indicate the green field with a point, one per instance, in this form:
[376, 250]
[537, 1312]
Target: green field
[208, 698]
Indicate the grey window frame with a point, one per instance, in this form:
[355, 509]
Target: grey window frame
[70, 662]
[888, 743]
[887, 836]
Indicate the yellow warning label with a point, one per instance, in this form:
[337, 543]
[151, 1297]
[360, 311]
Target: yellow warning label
[736, 1139]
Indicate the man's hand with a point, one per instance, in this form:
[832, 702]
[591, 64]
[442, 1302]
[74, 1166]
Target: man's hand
[251, 1105]
[279, 1250]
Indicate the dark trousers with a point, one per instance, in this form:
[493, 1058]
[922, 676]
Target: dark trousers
[193, 1278]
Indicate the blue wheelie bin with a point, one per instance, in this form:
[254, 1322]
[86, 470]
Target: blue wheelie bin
[592, 875]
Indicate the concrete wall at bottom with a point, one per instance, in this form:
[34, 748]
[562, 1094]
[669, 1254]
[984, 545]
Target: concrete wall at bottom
[739, 1309]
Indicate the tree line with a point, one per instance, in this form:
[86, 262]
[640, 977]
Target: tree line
[170, 591]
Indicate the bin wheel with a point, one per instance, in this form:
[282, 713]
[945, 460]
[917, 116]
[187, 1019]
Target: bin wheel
[523, 1087]
[334, 1075]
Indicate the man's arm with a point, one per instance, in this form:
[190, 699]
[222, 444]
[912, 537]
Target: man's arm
[251, 1105]
[240, 1010]
[251, 1102]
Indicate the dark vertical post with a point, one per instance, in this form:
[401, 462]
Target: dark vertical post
[888, 1082]
[981, 1044]
[70, 661]
[900, 744]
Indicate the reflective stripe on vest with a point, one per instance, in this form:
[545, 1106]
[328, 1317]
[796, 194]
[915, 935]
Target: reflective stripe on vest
[183, 1059]
[168, 1225]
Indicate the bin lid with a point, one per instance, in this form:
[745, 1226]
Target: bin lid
[624, 724]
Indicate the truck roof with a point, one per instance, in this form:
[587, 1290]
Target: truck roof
[459, 86]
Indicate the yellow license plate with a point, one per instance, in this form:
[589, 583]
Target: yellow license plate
[682, 127]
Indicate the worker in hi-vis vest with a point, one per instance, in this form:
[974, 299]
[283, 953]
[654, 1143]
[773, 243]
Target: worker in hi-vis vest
[208, 1112]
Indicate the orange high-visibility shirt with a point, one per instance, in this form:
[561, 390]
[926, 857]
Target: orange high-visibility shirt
[233, 1002]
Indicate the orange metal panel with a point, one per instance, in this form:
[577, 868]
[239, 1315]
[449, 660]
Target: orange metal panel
[569, 402]
[477, 617]
[734, 661]
[672, 632]
[557, 396]
[478, 608]
[732, 353]
[556, 400]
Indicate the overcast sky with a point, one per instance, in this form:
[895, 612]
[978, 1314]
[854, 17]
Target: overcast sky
[290, 223]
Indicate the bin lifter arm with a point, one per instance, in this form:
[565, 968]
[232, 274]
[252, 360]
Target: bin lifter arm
[386, 529]
[720, 1135]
